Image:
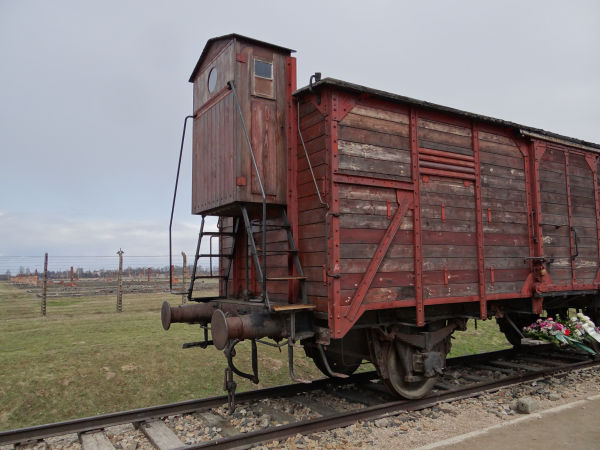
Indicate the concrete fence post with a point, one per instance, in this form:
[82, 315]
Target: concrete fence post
[45, 286]
[120, 282]
[184, 296]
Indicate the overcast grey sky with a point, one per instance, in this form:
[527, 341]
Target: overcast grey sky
[93, 94]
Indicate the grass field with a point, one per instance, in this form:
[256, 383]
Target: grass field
[86, 359]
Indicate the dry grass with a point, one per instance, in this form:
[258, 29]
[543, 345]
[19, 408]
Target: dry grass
[85, 359]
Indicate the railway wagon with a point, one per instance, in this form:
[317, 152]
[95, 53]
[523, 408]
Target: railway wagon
[365, 225]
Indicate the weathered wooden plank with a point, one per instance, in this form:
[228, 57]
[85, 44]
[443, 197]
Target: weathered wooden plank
[506, 263]
[555, 208]
[549, 197]
[314, 259]
[504, 287]
[449, 251]
[505, 228]
[497, 251]
[311, 216]
[160, 435]
[503, 275]
[552, 186]
[308, 120]
[370, 236]
[448, 237]
[378, 113]
[585, 222]
[368, 250]
[357, 265]
[370, 221]
[358, 135]
[373, 152]
[450, 212]
[377, 208]
[503, 194]
[450, 290]
[555, 220]
[356, 192]
[499, 149]
[378, 295]
[370, 166]
[449, 263]
[504, 216]
[457, 226]
[503, 205]
[434, 145]
[95, 440]
[375, 124]
[447, 187]
[502, 172]
[492, 137]
[443, 127]
[503, 161]
[314, 131]
[453, 276]
[502, 183]
[506, 240]
[350, 281]
[443, 137]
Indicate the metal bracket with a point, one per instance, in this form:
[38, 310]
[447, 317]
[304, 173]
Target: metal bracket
[229, 385]
[230, 353]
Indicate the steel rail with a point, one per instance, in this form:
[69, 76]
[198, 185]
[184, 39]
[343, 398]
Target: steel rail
[138, 415]
[348, 418]
[38, 432]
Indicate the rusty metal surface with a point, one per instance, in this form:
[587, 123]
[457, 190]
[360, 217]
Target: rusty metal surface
[433, 106]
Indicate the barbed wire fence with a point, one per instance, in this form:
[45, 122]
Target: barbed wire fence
[51, 276]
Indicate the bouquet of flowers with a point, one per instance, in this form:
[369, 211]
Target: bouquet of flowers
[576, 332]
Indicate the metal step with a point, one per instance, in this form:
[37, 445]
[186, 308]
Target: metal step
[285, 278]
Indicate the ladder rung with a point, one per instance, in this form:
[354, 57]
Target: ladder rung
[205, 299]
[285, 278]
[210, 276]
[217, 233]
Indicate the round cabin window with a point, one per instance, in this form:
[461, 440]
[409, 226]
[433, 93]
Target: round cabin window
[212, 79]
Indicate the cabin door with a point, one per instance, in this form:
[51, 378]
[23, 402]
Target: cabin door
[568, 220]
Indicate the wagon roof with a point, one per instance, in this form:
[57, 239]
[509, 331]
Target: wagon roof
[524, 130]
[230, 37]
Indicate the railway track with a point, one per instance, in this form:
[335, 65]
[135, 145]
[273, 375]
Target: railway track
[306, 408]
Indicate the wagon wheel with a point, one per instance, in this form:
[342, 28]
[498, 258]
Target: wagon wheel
[396, 381]
[337, 362]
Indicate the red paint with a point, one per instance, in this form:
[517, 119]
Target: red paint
[405, 199]
[389, 210]
[443, 213]
[445, 276]
[489, 211]
[492, 280]
[241, 57]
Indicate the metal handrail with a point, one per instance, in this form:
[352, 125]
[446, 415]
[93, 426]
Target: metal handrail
[173, 205]
[262, 191]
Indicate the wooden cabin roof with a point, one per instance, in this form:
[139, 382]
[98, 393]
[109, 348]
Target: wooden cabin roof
[231, 36]
[521, 129]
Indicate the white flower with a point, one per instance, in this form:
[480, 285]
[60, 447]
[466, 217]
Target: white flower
[573, 319]
[580, 315]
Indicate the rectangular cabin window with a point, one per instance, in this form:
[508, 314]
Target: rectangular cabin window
[263, 69]
[263, 79]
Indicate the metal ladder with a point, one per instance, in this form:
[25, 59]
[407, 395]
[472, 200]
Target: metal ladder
[258, 252]
[211, 255]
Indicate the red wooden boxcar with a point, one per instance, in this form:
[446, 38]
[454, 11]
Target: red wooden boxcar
[370, 226]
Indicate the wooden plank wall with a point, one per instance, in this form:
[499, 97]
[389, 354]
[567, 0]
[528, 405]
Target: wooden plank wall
[447, 218]
[212, 164]
[374, 143]
[504, 211]
[555, 215]
[583, 212]
[311, 215]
